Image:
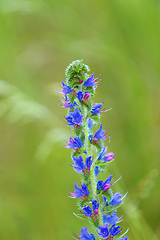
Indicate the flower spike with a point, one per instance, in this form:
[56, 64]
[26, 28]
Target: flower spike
[96, 201]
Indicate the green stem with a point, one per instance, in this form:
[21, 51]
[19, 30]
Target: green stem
[92, 175]
[100, 214]
[89, 153]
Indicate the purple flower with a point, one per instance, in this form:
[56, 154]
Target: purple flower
[75, 143]
[125, 238]
[87, 211]
[116, 199]
[75, 117]
[79, 192]
[86, 95]
[115, 230]
[106, 187]
[100, 134]
[79, 166]
[97, 108]
[66, 89]
[104, 231]
[108, 157]
[91, 82]
[66, 103]
[105, 157]
[85, 235]
[111, 219]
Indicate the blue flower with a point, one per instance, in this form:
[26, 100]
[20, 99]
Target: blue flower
[88, 162]
[91, 82]
[99, 184]
[85, 235]
[79, 166]
[75, 143]
[92, 237]
[83, 97]
[85, 189]
[95, 205]
[79, 192]
[104, 185]
[105, 201]
[69, 120]
[66, 89]
[90, 138]
[101, 154]
[76, 116]
[87, 211]
[100, 134]
[96, 171]
[90, 123]
[116, 199]
[115, 230]
[111, 219]
[97, 108]
[104, 231]
[80, 96]
[108, 180]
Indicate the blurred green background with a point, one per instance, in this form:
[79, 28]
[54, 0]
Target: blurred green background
[118, 39]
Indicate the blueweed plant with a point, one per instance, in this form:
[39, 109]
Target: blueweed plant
[96, 201]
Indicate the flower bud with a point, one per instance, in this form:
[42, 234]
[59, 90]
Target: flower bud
[106, 187]
[108, 157]
[86, 96]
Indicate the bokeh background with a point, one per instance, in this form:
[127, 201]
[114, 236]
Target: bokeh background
[118, 39]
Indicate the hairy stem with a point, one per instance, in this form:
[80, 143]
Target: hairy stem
[92, 175]
[100, 214]
[89, 153]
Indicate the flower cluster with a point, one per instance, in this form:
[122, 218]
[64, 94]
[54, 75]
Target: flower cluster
[96, 200]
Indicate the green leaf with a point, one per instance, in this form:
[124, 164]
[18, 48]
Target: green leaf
[103, 164]
[79, 216]
[123, 234]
